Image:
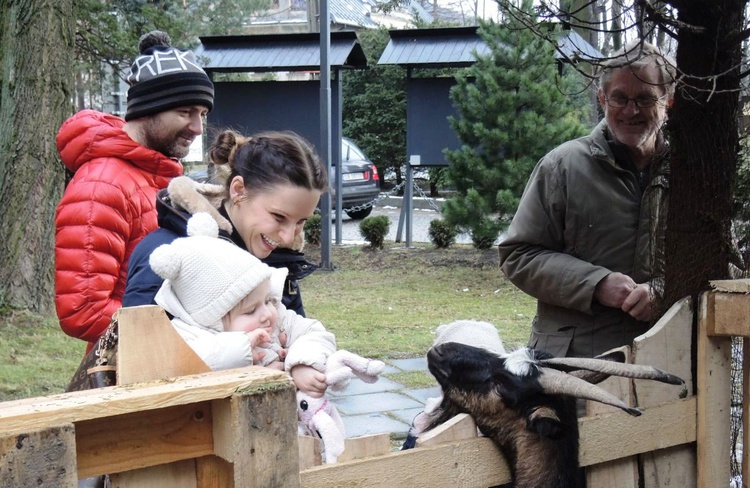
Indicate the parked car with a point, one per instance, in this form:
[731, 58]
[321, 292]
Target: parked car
[360, 181]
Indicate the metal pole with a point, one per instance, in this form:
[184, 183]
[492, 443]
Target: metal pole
[408, 193]
[339, 157]
[400, 221]
[325, 132]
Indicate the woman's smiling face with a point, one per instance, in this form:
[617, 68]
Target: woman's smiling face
[271, 217]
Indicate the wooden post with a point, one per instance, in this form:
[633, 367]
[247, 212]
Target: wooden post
[257, 433]
[714, 396]
[730, 308]
[746, 412]
[45, 457]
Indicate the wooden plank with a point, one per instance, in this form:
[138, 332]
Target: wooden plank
[46, 457]
[606, 437]
[460, 427]
[260, 436]
[24, 416]
[731, 286]
[174, 475]
[212, 471]
[731, 312]
[142, 439]
[473, 463]
[148, 347]
[746, 411]
[365, 447]
[354, 448]
[223, 429]
[309, 451]
[622, 473]
[714, 395]
[477, 463]
[667, 345]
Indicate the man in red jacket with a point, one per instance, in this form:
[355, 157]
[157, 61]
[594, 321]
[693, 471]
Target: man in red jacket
[118, 166]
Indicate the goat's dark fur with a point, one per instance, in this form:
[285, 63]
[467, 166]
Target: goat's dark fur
[527, 424]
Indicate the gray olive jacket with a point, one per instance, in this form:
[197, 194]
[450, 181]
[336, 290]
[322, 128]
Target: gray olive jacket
[581, 217]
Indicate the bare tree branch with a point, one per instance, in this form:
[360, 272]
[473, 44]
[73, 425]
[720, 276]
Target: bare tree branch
[657, 16]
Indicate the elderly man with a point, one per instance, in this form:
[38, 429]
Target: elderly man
[587, 239]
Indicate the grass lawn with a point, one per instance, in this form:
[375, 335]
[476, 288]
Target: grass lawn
[379, 303]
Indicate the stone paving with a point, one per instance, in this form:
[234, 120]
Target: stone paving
[384, 406]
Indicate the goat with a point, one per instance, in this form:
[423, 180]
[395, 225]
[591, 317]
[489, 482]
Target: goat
[525, 402]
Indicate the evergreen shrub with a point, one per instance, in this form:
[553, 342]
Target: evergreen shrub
[483, 236]
[312, 230]
[374, 230]
[442, 234]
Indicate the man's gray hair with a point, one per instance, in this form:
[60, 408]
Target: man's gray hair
[637, 55]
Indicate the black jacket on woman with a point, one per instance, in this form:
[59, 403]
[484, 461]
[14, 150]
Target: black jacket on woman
[175, 205]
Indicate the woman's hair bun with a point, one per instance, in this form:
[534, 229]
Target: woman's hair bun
[153, 38]
[226, 142]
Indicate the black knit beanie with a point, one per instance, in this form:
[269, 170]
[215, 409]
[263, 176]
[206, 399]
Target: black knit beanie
[163, 77]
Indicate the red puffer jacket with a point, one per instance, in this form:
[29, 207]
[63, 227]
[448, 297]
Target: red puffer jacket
[107, 208]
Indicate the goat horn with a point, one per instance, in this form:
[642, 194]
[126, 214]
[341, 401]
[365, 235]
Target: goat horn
[612, 368]
[554, 382]
[593, 377]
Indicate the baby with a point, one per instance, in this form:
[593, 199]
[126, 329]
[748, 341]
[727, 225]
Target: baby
[257, 314]
[226, 304]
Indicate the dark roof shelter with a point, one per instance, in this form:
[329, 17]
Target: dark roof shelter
[428, 103]
[254, 106]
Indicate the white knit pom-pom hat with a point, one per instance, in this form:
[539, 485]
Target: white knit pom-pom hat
[208, 275]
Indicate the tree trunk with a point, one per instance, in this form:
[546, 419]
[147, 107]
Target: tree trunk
[703, 130]
[37, 58]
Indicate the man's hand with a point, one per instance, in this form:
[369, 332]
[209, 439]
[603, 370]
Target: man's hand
[309, 380]
[638, 303]
[614, 289]
[617, 290]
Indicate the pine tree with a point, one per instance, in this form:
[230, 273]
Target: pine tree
[513, 108]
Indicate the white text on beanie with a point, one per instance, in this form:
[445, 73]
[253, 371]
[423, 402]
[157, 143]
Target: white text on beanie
[163, 77]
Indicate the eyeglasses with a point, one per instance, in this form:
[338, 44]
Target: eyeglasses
[640, 102]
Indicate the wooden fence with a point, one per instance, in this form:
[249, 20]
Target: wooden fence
[237, 428]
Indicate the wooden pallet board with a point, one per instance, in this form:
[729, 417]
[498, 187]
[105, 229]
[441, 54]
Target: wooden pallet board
[667, 346]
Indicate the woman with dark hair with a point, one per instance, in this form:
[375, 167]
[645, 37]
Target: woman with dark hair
[274, 183]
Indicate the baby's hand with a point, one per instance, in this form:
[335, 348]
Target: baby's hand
[258, 337]
[276, 365]
[258, 355]
[282, 338]
[309, 380]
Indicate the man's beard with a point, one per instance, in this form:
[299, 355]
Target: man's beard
[158, 139]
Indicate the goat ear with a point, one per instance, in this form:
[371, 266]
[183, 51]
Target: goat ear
[545, 422]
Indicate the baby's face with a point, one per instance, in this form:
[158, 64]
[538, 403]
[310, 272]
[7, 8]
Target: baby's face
[254, 311]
